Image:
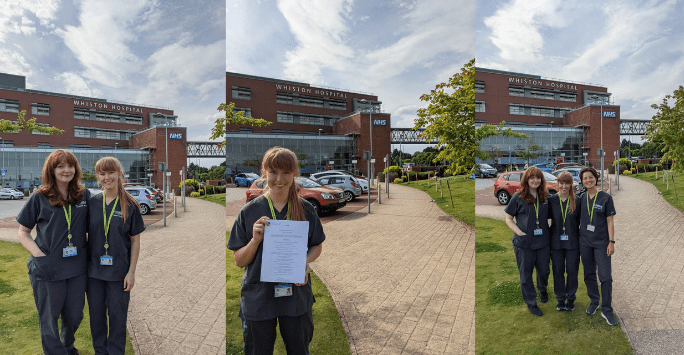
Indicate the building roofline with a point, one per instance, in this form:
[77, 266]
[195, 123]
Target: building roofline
[503, 72]
[263, 78]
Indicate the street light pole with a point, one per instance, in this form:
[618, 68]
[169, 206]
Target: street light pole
[370, 129]
[602, 152]
[320, 154]
[2, 148]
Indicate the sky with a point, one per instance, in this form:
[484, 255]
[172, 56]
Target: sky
[633, 48]
[168, 54]
[396, 50]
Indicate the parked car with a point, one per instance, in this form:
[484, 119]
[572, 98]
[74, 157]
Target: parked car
[158, 194]
[567, 165]
[245, 179]
[11, 194]
[485, 170]
[362, 180]
[349, 184]
[145, 198]
[323, 198]
[509, 183]
[548, 167]
[572, 170]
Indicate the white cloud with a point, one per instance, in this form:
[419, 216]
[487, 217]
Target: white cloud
[405, 116]
[76, 85]
[13, 16]
[13, 62]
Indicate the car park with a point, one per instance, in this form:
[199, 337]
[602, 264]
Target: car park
[361, 179]
[548, 167]
[349, 184]
[11, 194]
[509, 183]
[245, 179]
[572, 170]
[567, 165]
[323, 198]
[158, 194]
[145, 198]
[485, 170]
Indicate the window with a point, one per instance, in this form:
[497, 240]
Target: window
[285, 117]
[43, 144]
[246, 130]
[283, 98]
[247, 111]
[479, 106]
[338, 105]
[545, 112]
[9, 105]
[517, 110]
[546, 95]
[40, 109]
[516, 91]
[134, 119]
[81, 114]
[107, 117]
[479, 86]
[315, 120]
[39, 133]
[242, 93]
[306, 101]
[81, 133]
[568, 97]
[514, 177]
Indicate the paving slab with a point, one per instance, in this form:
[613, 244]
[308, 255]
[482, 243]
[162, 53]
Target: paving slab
[402, 277]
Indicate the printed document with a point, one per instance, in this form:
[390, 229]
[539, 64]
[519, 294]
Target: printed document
[284, 254]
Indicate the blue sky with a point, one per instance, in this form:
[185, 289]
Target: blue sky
[397, 50]
[634, 48]
[152, 52]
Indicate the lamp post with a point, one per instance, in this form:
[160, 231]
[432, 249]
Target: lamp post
[595, 97]
[2, 147]
[320, 154]
[370, 129]
[165, 186]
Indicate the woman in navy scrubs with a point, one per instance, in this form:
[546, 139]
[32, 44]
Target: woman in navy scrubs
[113, 249]
[564, 242]
[264, 304]
[597, 244]
[531, 238]
[57, 265]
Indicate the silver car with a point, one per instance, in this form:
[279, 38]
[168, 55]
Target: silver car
[11, 194]
[349, 184]
[363, 182]
[145, 198]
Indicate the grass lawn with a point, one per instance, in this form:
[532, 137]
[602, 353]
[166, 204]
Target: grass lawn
[462, 192]
[19, 332]
[503, 325]
[329, 337]
[669, 195]
[217, 198]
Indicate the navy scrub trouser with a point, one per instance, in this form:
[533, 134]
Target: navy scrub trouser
[565, 262]
[260, 336]
[528, 260]
[64, 298]
[108, 297]
[593, 258]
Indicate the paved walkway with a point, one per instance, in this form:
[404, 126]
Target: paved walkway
[403, 277]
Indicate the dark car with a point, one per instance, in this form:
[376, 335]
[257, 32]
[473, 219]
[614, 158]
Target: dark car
[245, 179]
[323, 198]
[485, 170]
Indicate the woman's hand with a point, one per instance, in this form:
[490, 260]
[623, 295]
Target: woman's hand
[306, 277]
[258, 229]
[129, 281]
[611, 249]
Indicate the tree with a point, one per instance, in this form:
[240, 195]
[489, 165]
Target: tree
[530, 153]
[449, 120]
[667, 126]
[216, 173]
[301, 157]
[220, 125]
[31, 126]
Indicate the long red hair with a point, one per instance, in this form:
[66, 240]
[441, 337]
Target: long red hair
[111, 164]
[283, 159]
[525, 187]
[49, 188]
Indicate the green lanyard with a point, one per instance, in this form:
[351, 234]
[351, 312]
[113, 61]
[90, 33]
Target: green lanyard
[564, 213]
[270, 204]
[67, 215]
[591, 213]
[105, 221]
[536, 210]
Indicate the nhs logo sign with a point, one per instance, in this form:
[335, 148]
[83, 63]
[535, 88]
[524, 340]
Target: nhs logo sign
[379, 122]
[175, 135]
[610, 114]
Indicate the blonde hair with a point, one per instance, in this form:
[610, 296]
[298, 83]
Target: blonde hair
[111, 164]
[283, 159]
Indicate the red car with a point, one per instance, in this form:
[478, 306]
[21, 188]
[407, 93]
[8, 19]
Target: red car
[509, 183]
[323, 198]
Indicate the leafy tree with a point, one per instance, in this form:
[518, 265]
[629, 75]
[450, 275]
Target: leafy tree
[216, 173]
[667, 126]
[89, 177]
[449, 120]
[301, 157]
[530, 153]
[31, 126]
[220, 125]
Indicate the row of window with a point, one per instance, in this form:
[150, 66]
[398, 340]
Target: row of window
[107, 116]
[289, 117]
[537, 111]
[9, 105]
[99, 133]
[242, 93]
[311, 101]
[519, 91]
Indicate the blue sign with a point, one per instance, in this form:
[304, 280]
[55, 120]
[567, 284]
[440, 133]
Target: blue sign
[175, 135]
[379, 122]
[611, 114]
[3, 171]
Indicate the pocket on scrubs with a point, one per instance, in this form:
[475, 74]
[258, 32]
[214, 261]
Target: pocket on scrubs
[254, 300]
[39, 267]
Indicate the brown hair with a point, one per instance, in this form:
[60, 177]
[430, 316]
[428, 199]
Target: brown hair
[111, 164]
[590, 170]
[525, 187]
[278, 158]
[49, 187]
[566, 177]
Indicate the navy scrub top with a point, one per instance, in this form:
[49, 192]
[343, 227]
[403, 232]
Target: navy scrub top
[257, 299]
[119, 239]
[51, 237]
[571, 223]
[526, 220]
[604, 207]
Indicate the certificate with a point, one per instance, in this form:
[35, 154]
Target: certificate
[284, 251]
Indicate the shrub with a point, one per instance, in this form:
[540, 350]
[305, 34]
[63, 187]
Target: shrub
[393, 169]
[411, 175]
[201, 192]
[221, 189]
[626, 172]
[632, 170]
[192, 182]
[392, 176]
[381, 177]
[404, 178]
[194, 194]
[189, 190]
[398, 180]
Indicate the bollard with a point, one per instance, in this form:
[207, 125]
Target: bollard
[379, 194]
[441, 191]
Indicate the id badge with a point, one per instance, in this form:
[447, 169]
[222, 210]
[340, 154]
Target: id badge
[564, 237]
[283, 290]
[590, 227]
[69, 251]
[538, 231]
[106, 260]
